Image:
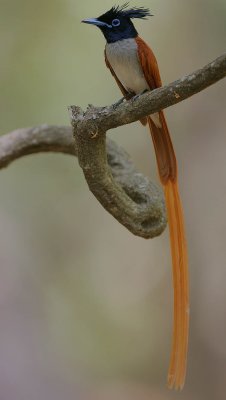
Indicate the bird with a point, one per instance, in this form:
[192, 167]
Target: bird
[134, 67]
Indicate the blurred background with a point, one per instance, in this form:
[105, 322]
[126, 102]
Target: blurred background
[85, 307]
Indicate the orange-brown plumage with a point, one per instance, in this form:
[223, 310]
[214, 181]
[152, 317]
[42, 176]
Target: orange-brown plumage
[167, 167]
[135, 69]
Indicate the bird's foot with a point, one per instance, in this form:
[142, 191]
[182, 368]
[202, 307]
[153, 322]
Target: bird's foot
[134, 98]
[118, 103]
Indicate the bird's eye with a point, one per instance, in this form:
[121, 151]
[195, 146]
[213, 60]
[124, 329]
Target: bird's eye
[115, 22]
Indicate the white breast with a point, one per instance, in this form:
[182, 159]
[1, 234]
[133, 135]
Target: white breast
[123, 57]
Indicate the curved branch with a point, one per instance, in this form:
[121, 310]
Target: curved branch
[43, 138]
[90, 132]
[126, 194]
[147, 199]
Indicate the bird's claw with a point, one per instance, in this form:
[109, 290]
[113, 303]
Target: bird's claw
[118, 103]
[134, 98]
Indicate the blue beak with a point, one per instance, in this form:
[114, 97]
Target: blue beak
[95, 21]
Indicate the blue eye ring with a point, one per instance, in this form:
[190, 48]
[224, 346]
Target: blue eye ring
[116, 22]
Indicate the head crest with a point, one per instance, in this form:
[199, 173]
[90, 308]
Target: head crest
[136, 12]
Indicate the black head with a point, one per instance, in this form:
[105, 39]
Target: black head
[116, 23]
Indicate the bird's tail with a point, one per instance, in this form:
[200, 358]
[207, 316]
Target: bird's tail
[167, 167]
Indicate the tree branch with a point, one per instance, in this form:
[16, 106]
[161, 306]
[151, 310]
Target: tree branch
[126, 194]
[147, 198]
[153, 101]
[44, 138]
[90, 133]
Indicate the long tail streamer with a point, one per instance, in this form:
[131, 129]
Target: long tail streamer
[167, 167]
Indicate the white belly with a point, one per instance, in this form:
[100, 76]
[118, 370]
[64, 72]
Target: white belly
[123, 57]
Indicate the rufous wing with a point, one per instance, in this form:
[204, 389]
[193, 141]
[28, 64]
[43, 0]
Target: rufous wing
[149, 64]
[167, 166]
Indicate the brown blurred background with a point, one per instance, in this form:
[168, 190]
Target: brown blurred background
[85, 307]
